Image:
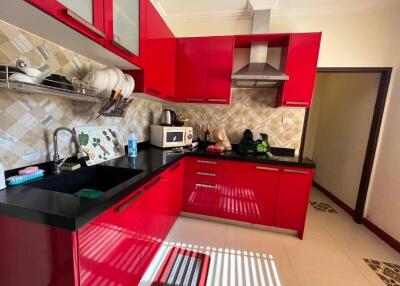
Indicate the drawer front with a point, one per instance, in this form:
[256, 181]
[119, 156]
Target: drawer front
[204, 170]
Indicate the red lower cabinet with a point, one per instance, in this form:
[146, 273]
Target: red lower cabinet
[294, 191]
[110, 247]
[249, 192]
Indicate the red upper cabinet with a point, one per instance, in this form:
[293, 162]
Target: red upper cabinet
[191, 68]
[125, 27]
[159, 56]
[204, 69]
[300, 63]
[86, 17]
[220, 64]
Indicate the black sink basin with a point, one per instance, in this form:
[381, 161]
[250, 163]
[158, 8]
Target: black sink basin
[100, 178]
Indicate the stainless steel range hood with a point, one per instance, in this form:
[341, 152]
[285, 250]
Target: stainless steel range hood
[258, 73]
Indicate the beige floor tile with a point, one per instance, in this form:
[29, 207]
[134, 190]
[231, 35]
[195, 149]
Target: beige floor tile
[322, 255]
[198, 232]
[307, 278]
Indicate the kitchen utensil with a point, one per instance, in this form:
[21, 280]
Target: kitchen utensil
[11, 70]
[21, 77]
[120, 79]
[168, 117]
[97, 79]
[58, 81]
[100, 143]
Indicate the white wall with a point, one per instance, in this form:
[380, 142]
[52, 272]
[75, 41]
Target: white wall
[361, 40]
[346, 105]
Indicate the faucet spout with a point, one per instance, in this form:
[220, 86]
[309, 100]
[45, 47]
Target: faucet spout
[56, 156]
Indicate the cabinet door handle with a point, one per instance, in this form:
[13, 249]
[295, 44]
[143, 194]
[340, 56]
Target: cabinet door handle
[194, 99]
[129, 202]
[207, 162]
[216, 100]
[267, 168]
[85, 23]
[295, 171]
[206, 186]
[121, 47]
[297, 103]
[206, 174]
[153, 183]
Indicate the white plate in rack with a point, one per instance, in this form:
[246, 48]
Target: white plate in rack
[100, 143]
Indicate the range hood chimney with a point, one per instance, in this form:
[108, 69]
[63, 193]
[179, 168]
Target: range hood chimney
[258, 73]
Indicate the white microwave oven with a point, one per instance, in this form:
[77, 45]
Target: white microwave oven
[170, 136]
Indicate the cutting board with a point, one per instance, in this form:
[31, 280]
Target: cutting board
[100, 143]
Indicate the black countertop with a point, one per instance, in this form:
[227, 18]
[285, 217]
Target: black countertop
[71, 212]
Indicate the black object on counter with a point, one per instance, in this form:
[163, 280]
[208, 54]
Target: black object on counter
[248, 146]
[58, 81]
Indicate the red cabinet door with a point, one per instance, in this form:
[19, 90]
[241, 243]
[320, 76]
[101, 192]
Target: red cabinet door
[191, 69]
[110, 246]
[293, 194]
[301, 65]
[93, 28]
[249, 192]
[159, 54]
[175, 175]
[220, 70]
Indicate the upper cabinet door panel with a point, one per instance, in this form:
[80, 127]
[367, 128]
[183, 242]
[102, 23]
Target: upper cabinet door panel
[86, 16]
[126, 25]
[220, 69]
[301, 66]
[192, 69]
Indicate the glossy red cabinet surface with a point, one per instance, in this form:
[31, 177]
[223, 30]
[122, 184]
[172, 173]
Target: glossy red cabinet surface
[204, 69]
[36, 254]
[220, 65]
[250, 192]
[191, 69]
[159, 56]
[300, 63]
[94, 31]
[110, 247]
[293, 194]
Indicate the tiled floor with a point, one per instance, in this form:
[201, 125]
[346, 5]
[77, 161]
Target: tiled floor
[331, 252]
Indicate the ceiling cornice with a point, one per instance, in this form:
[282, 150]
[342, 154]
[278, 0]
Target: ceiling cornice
[204, 16]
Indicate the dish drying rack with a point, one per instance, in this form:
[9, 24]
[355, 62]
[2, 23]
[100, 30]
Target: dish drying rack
[74, 92]
[114, 105]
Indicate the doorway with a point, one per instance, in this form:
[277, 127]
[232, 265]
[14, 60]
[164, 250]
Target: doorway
[341, 132]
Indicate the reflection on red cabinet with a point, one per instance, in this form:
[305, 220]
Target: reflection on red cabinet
[300, 63]
[110, 247]
[220, 65]
[36, 254]
[94, 31]
[250, 192]
[294, 190]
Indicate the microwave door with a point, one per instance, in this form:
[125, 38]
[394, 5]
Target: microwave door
[174, 137]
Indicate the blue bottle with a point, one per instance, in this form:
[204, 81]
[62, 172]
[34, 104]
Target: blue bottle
[132, 145]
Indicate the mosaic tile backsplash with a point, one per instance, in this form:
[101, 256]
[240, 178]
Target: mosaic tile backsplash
[27, 121]
[249, 108]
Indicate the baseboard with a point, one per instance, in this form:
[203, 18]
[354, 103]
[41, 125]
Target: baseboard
[335, 199]
[395, 244]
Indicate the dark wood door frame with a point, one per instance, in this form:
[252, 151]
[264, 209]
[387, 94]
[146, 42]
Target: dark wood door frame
[379, 109]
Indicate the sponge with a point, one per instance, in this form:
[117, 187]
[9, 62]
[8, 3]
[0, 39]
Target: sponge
[20, 179]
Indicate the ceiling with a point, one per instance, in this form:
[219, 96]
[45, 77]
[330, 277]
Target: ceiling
[184, 10]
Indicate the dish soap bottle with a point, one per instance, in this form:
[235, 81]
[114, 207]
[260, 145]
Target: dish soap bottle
[207, 136]
[132, 145]
[2, 177]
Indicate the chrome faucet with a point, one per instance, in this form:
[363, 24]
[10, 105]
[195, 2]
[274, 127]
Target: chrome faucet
[56, 157]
